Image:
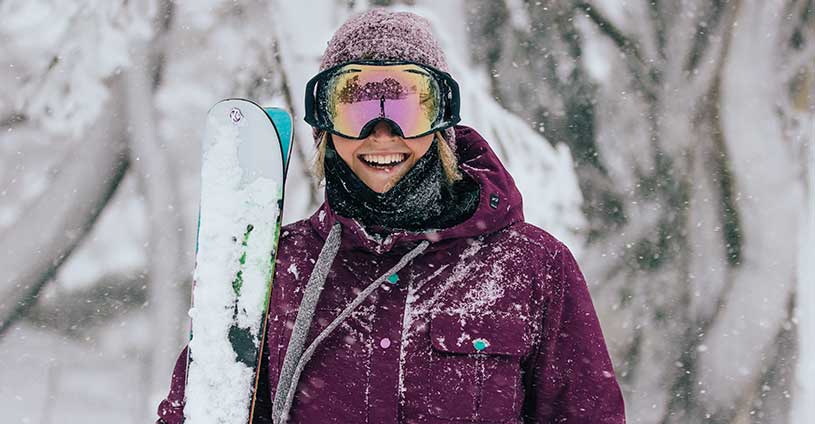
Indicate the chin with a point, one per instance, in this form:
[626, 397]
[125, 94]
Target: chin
[381, 188]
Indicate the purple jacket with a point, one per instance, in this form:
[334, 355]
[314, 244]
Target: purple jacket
[492, 323]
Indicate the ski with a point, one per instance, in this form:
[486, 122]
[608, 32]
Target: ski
[245, 155]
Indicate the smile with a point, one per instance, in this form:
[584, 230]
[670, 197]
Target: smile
[383, 160]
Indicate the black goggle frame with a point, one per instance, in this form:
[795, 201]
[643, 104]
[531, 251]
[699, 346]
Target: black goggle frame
[448, 112]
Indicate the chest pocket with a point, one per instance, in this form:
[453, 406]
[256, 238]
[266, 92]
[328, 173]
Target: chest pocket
[475, 366]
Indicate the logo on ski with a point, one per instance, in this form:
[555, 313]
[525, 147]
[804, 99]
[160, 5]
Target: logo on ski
[235, 115]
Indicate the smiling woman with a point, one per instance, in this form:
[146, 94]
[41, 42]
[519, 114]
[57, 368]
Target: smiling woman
[422, 295]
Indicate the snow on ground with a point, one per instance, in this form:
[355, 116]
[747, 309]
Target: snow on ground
[48, 378]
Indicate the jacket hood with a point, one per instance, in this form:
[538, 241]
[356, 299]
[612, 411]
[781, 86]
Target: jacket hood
[499, 205]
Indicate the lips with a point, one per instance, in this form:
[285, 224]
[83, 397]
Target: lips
[383, 160]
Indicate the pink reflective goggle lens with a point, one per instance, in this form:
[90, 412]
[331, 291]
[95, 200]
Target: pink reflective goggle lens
[352, 98]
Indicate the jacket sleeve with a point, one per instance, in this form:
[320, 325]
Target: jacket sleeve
[171, 409]
[572, 379]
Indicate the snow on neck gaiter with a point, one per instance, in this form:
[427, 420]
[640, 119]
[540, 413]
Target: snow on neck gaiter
[419, 198]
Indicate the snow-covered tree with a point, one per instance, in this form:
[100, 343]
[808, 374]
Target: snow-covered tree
[689, 123]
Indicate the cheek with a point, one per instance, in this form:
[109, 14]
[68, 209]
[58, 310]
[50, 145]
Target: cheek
[346, 151]
[420, 146]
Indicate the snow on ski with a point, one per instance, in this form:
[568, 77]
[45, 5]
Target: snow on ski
[242, 176]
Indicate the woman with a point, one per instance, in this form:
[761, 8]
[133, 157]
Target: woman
[417, 293]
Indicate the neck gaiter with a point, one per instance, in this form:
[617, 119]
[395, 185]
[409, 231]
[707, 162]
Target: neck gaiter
[422, 199]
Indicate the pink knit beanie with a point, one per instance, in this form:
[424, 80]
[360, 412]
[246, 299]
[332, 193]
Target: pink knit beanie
[385, 35]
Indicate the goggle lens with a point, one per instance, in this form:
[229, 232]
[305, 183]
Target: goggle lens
[356, 96]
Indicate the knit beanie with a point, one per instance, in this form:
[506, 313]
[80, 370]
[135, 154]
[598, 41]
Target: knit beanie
[383, 35]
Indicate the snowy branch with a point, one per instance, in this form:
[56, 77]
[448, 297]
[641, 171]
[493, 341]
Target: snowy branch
[708, 61]
[799, 60]
[708, 28]
[659, 25]
[290, 104]
[73, 312]
[625, 43]
[13, 120]
[628, 46]
[63, 216]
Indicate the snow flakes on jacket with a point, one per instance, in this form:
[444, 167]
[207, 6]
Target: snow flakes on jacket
[493, 323]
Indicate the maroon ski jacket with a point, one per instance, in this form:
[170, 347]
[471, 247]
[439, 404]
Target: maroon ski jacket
[491, 323]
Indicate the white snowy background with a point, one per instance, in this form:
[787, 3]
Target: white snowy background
[668, 143]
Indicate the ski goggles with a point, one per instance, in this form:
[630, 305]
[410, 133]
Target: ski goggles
[351, 98]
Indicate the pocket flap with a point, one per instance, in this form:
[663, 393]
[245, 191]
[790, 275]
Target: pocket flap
[472, 335]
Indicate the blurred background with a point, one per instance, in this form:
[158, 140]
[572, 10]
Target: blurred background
[670, 144]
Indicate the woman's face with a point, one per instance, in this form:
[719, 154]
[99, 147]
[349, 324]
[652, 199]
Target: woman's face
[382, 158]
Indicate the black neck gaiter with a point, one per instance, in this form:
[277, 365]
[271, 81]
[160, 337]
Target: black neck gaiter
[422, 199]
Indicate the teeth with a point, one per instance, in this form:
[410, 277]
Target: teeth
[384, 159]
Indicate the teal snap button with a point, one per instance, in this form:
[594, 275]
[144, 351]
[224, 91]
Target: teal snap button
[480, 344]
[393, 279]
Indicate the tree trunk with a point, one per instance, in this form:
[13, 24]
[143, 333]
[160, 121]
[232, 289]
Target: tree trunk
[804, 391]
[159, 187]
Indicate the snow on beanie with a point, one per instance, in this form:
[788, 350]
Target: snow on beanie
[380, 34]
[384, 35]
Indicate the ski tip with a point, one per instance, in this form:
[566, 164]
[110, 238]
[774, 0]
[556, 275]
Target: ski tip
[280, 119]
[283, 122]
[259, 145]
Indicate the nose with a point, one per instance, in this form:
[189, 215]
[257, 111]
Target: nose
[383, 131]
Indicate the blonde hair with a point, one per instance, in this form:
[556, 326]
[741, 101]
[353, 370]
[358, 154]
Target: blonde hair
[448, 159]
